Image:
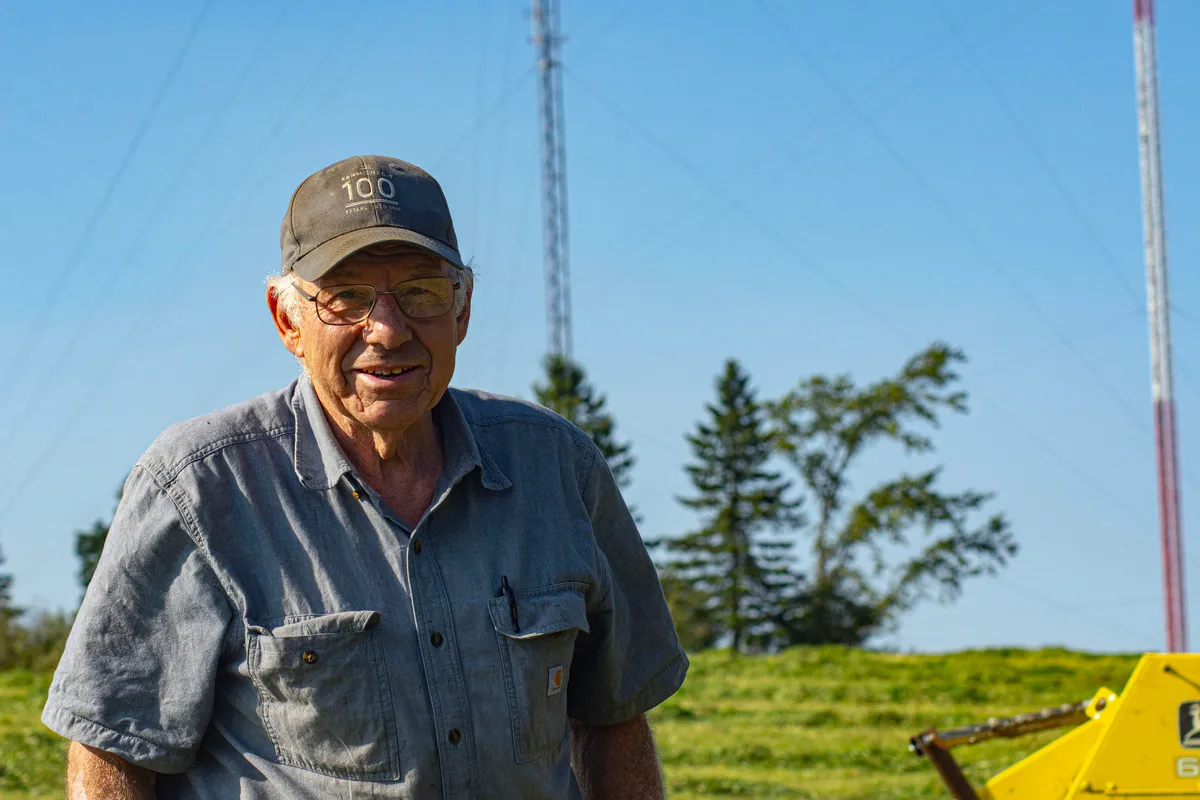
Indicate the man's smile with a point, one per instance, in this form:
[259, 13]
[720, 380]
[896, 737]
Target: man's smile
[384, 371]
[387, 377]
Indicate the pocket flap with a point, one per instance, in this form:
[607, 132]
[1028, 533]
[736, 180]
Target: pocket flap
[540, 612]
[340, 622]
[324, 695]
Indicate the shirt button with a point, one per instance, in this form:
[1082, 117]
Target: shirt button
[416, 547]
[455, 737]
[310, 656]
[436, 638]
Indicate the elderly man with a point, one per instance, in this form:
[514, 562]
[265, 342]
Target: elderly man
[368, 584]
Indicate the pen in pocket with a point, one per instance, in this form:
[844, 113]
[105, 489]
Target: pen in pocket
[507, 591]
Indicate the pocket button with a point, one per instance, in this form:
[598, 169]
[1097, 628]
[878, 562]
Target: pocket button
[310, 656]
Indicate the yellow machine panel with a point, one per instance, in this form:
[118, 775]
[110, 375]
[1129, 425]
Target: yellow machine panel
[1143, 744]
[1048, 773]
[1152, 745]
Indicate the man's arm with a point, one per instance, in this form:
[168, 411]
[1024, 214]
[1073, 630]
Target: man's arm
[98, 775]
[616, 762]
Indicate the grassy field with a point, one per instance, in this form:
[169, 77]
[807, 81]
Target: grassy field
[32, 759]
[830, 722]
[812, 723]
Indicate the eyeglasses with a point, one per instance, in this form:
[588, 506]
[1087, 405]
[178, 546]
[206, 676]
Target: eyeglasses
[419, 298]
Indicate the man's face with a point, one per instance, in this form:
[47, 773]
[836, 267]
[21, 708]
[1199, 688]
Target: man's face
[353, 367]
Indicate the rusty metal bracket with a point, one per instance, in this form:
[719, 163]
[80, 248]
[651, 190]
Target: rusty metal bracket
[929, 744]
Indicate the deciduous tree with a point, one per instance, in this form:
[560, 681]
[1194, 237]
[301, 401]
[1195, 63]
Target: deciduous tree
[89, 544]
[905, 539]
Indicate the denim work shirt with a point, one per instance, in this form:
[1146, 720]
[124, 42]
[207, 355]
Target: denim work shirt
[261, 625]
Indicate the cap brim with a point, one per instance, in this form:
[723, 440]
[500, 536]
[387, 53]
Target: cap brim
[329, 254]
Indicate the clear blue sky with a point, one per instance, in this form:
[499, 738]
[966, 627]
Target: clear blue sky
[809, 187]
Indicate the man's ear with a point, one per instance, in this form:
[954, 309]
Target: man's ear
[289, 334]
[464, 316]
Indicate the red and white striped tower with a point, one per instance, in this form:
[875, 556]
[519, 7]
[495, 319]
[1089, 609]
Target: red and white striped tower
[1159, 312]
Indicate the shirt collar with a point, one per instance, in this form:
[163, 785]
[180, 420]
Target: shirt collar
[320, 462]
[462, 450]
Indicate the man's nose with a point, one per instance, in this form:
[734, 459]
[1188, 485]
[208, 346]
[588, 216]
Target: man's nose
[387, 326]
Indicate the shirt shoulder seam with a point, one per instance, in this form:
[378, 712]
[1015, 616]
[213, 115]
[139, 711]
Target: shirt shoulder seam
[586, 478]
[193, 533]
[527, 419]
[577, 436]
[168, 474]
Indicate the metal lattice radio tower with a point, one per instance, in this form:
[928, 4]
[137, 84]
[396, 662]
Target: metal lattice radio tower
[547, 39]
[1158, 301]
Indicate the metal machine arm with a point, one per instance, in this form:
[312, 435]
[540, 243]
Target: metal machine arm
[935, 745]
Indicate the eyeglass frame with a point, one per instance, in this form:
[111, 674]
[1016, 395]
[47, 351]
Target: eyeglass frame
[316, 308]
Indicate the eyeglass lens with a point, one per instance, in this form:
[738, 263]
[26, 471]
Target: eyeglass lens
[421, 298]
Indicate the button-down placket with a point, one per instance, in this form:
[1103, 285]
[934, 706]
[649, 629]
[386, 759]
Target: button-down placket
[418, 563]
[382, 519]
[440, 654]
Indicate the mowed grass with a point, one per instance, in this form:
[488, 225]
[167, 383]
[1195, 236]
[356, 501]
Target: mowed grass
[810, 723]
[833, 722]
[33, 760]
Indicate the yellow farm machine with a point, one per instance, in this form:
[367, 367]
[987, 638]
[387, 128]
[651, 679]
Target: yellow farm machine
[1143, 743]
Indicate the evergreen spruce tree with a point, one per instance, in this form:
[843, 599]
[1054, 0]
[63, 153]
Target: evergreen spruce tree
[568, 393]
[698, 620]
[731, 578]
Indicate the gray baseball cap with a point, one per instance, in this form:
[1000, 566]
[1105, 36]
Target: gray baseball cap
[359, 202]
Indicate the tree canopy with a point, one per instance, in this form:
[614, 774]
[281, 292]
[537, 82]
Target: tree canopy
[568, 393]
[89, 544]
[905, 539]
[759, 575]
[730, 579]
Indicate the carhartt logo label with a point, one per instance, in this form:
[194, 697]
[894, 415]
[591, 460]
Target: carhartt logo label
[554, 680]
[363, 189]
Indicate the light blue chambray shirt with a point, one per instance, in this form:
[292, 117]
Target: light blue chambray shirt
[262, 626]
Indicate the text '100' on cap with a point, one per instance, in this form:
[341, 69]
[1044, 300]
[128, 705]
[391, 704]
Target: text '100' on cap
[359, 202]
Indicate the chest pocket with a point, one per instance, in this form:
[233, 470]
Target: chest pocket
[324, 695]
[536, 655]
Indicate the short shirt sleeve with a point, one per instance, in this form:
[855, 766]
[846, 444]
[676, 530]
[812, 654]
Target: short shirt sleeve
[630, 660]
[137, 677]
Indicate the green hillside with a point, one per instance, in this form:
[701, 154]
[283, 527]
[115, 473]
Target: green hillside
[832, 722]
[32, 759]
[823, 722]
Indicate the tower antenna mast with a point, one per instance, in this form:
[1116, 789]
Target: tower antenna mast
[1158, 302]
[547, 39]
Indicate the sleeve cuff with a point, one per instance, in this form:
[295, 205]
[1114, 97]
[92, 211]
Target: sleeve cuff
[664, 684]
[134, 749]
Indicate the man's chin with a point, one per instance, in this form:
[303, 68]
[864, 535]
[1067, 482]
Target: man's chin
[391, 415]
